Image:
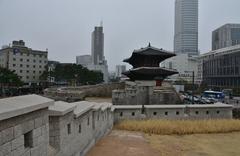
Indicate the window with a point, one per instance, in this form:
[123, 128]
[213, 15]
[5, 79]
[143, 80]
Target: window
[27, 77]
[21, 65]
[14, 59]
[40, 66]
[88, 121]
[27, 71]
[218, 112]
[121, 113]
[69, 128]
[33, 77]
[27, 60]
[21, 59]
[154, 113]
[98, 117]
[28, 140]
[34, 61]
[40, 72]
[34, 72]
[14, 65]
[166, 113]
[197, 112]
[133, 113]
[34, 66]
[27, 66]
[207, 112]
[177, 113]
[80, 128]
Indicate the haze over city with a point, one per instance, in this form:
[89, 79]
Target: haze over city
[65, 27]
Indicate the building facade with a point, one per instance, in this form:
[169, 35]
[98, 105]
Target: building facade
[226, 36]
[98, 45]
[186, 27]
[221, 68]
[84, 60]
[185, 65]
[119, 70]
[28, 64]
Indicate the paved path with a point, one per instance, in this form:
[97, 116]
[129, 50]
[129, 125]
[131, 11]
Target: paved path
[120, 143]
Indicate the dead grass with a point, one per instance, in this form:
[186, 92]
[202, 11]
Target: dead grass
[180, 127]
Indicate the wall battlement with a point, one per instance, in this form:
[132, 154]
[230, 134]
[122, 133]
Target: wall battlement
[36, 126]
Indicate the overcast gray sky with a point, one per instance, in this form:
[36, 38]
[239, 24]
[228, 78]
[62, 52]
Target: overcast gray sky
[65, 26]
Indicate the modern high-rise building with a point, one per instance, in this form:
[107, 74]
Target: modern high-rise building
[186, 27]
[98, 45]
[98, 59]
[226, 36]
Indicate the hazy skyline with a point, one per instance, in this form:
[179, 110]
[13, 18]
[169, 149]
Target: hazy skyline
[65, 27]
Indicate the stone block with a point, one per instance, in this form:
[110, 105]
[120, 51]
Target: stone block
[6, 148]
[17, 131]
[37, 132]
[38, 122]
[27, 126]
[26, 153]
[7, 135]
[45, 119]
[35, 151]
[17, 142]
[19, 151]
[1, 141]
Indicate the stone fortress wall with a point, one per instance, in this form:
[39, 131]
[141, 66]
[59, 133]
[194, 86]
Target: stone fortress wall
[71, 94]
[145, 92]
[36, 126]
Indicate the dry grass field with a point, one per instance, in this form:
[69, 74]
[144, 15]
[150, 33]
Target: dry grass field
[125, 143]
[180, 127]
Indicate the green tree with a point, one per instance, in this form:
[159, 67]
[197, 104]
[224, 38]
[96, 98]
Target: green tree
[75, 73]
[9, 78]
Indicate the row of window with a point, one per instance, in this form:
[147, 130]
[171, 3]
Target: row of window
[27, 71]
[27, 66]
[27, 54]
[27, 60]
[28, 77]
[166, 113]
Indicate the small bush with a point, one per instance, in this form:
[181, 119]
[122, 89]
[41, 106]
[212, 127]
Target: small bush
[180, 127]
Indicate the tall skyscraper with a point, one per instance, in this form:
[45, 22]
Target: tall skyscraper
[186, 27]
[98, 60]
[98, 45]
[226, 36]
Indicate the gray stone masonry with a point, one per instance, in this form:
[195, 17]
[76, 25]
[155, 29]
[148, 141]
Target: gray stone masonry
[24, 126]
[145, 92]
[75, 128]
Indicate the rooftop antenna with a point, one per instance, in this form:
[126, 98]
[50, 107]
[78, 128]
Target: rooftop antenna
[101, 23]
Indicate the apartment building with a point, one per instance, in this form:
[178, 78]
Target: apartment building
[28, 64]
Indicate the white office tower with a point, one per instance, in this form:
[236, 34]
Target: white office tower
[186, 27]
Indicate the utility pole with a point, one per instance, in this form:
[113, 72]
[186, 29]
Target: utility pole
[193, 87]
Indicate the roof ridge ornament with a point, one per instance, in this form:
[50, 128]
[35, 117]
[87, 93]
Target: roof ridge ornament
[149, 44]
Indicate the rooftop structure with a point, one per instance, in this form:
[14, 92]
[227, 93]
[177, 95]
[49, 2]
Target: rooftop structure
[146, 61]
